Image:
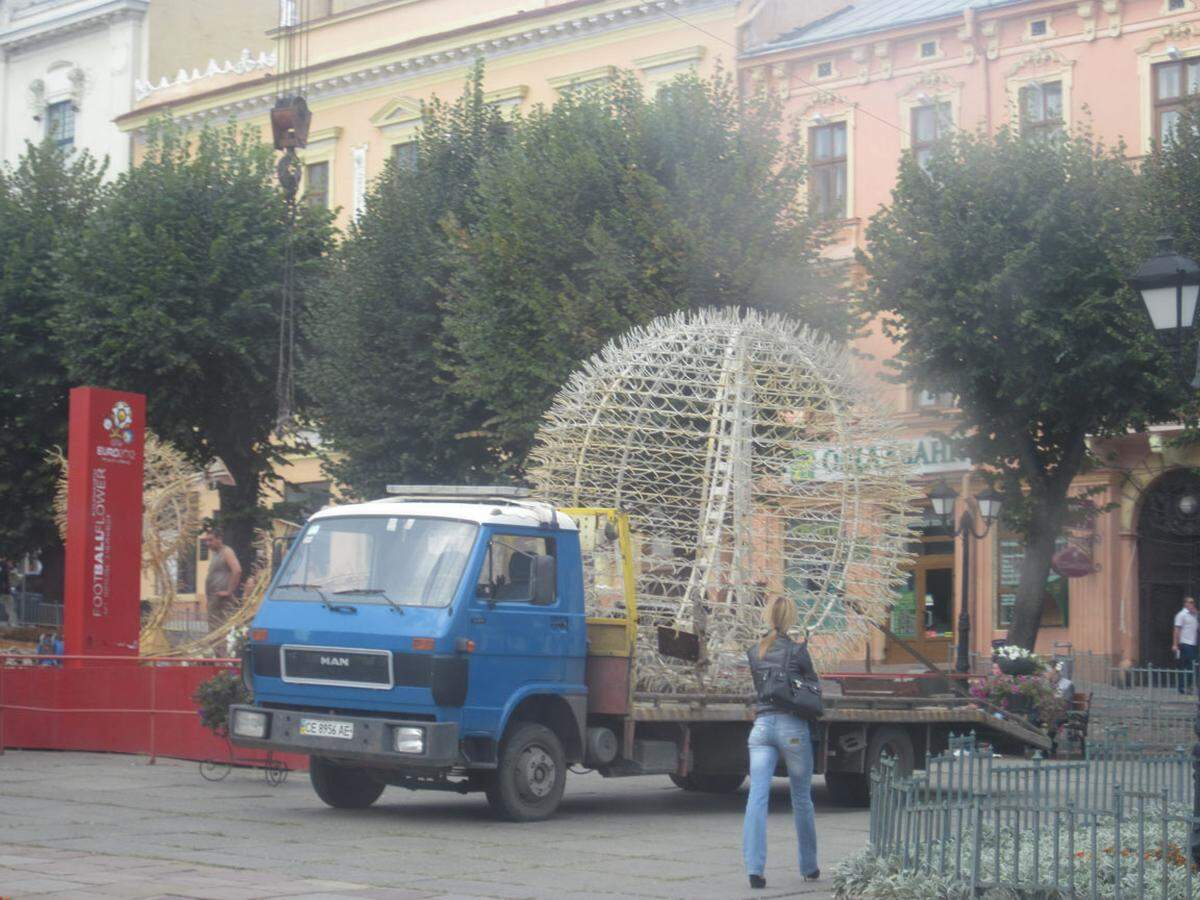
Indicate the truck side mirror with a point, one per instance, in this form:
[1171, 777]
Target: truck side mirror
[544, 577]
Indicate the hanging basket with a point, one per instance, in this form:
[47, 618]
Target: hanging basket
[1072, 562]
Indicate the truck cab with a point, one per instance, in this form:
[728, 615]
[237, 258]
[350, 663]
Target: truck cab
[426, 640]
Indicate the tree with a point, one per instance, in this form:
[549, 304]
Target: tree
[609, 209]
[1000, 273]
[44, 202]
[376, 375]
[175, 292]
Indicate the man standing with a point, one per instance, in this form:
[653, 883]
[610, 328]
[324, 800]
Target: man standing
[224, 575]
[1187, 627]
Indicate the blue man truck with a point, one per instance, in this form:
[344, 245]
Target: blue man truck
[437, 639]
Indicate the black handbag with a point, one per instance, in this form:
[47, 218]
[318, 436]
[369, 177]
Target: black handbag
[799, 694]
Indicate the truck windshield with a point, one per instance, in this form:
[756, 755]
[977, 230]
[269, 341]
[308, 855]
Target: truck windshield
[378, 559]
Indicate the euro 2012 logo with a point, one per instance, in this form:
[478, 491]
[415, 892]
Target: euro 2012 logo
[119, 423]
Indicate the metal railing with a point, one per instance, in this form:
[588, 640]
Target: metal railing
[1116, 824]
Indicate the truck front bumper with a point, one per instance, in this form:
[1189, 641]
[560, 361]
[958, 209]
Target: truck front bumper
[366, 740]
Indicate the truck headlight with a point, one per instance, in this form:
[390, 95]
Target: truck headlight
[409, 740]
[250, 724]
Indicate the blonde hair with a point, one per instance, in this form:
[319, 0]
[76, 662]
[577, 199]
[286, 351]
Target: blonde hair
[779, 615]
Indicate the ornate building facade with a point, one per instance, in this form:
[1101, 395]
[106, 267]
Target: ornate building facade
[69, 68]
[872, 81]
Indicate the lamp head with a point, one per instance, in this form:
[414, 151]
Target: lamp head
[1163, 280]
[990, 503]
[942, 496]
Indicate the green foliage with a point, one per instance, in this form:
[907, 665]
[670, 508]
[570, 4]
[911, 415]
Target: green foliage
[175, 292]
[472, 285]
[214, 697]
[868, 876]
[611, 208]
[1000, 274]
[377, 380]
[44, 202]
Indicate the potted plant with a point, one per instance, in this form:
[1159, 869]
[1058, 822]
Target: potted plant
[1014, 660]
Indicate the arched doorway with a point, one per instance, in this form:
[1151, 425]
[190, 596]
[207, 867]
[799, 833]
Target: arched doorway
[1168, 559]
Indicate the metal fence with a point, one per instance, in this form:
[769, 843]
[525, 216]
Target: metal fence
[30, 608]
[1116, 824]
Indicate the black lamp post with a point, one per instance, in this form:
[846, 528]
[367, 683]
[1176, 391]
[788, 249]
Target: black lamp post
[942, 496]
[1169, 284]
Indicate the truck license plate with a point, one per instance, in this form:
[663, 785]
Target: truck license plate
[322, 728]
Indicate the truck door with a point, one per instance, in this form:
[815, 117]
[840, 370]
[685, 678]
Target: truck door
[517, 642]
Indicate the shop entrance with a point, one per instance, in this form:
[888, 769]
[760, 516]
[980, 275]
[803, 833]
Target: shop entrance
[1168, 559]
[924, 611]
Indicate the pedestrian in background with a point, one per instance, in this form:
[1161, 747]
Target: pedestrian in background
[779, 730]
[1187, 627]
[221, 583]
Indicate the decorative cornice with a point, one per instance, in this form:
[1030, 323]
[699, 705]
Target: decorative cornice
[1174, 32]
[264, 62]
[584, 79]
[21, 35]
[1039, 59]
[374, 71]
[824, 99]
[931, 82]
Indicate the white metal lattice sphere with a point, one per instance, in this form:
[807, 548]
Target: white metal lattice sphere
[753, 460]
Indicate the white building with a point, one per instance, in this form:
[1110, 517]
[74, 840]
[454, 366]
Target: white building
[67, 69]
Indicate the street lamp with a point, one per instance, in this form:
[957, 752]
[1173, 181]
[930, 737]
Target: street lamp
[990, 501]
[1169, 285]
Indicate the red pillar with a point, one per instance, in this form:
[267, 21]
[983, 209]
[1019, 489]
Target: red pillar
[102, 603]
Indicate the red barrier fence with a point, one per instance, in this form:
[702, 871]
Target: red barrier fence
[113, 704]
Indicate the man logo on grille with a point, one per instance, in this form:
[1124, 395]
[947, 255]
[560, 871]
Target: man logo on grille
[335, 661]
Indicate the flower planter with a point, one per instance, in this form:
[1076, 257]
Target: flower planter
[1018, 666]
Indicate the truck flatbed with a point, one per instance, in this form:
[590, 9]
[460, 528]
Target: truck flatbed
[948, 709]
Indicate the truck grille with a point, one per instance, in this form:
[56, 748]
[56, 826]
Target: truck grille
[337, 665]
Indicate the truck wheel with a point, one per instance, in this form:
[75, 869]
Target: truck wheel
[709, 782]
[528, 784]
[848, 788]
[895, 743]
[343, 788]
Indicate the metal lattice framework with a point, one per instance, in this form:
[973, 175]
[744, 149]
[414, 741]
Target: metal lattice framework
[752, 460]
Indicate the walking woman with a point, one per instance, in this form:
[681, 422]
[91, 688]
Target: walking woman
[779, 729]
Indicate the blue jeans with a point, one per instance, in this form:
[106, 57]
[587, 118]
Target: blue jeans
[772, 735]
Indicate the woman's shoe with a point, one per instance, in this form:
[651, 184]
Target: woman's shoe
[814, 875]
[757, 881]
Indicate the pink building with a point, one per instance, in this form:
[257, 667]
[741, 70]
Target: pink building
[872, 80]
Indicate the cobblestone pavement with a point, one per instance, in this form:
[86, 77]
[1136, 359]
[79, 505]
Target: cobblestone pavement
[98, 825]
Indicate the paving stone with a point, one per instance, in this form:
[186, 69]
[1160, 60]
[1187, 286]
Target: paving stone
[111, 826]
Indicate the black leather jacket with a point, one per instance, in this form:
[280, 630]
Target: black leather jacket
[801, 665]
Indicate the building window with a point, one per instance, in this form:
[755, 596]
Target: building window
[1173, 82]
[1042, 108]
[827, 158]
[1037, 28]
[316, 185]
[405, 155]
[825, 69]
[1056, 606]
[1176, 5]
[303, 499]
[930, 123]
[928, 49]
[926, 399]
[60, 124]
